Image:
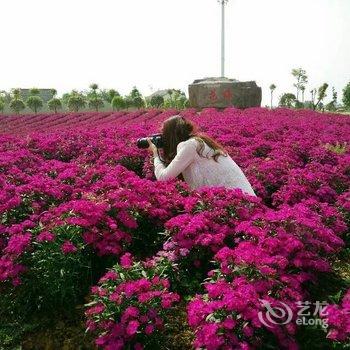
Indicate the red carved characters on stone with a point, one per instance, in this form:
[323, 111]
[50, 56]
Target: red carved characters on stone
[213, 96]
[228, 95]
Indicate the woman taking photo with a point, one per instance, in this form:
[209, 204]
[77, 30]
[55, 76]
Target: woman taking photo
[200, 160]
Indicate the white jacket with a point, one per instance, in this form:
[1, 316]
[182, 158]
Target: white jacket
[199, 171]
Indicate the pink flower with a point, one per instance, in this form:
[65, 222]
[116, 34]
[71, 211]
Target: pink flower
[132, 327]
[45, 236]
[68, 247]
[126, 260]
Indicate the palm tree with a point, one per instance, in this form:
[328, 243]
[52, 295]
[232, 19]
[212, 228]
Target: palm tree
[272, 88]
[95, 101]
[34, 101]
[76, 101]
[321, 94]
[54, 104]
[16, 103]
[302, 79]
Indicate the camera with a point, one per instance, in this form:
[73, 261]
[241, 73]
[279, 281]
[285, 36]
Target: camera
[156, 139]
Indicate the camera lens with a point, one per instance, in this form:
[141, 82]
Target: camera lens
[142, 143]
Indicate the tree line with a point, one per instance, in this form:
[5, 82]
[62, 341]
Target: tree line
[94, 99]
[317, 95]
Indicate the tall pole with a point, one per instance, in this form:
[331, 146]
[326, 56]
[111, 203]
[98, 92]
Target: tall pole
[223, 3]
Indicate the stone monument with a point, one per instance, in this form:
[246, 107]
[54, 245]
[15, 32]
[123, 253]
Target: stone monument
[224, 92]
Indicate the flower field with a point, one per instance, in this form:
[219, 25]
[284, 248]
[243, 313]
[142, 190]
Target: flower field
[158, 266]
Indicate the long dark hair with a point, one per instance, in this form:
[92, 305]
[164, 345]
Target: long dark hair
[178, 129]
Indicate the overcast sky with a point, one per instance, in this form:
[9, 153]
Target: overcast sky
[159, 44]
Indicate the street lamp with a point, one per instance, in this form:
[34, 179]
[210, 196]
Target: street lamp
[223, 3]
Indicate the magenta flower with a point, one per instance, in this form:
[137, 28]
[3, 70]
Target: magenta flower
[68, 247]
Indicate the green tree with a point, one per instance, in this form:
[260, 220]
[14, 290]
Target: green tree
[55, 104]
[134, 99]
[34, 101]
[272, 89]
[157, 101]
[96, 102]
[321, 95]
[16, 103]
[177, 99]
[129, 102]
[346, 96]
[300, 75]
[94, 99]
[118, 103]
[135, 93]
[76, 101]
[332, 106]
[65, 98]
[138, 102]
[94, 87]
[34, 92]
[287, 100]
[108, 95]
[2, 101]
[298, 104]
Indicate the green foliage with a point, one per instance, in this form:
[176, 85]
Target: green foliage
[16, 93]
[302, 79]
[95, 98]
[346, 96]
[338, 148]
[272, 89]
[157, 101]
[55, 104]
[17, 105]
[115, 311]
[94, 87]
[177, 99]
[2, 102]
[138, 102]
[108, 95]
[35, 103]
[321, 95]
[96, 102]
[298, 104]
[65, 98]
[76, 101]
[54, 284]
[128, 102]
[118, 102]
[135, 93]
[287, 100]
[34, 92]
[135, 99]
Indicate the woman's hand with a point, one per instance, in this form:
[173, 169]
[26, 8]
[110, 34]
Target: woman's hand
[152, 148]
